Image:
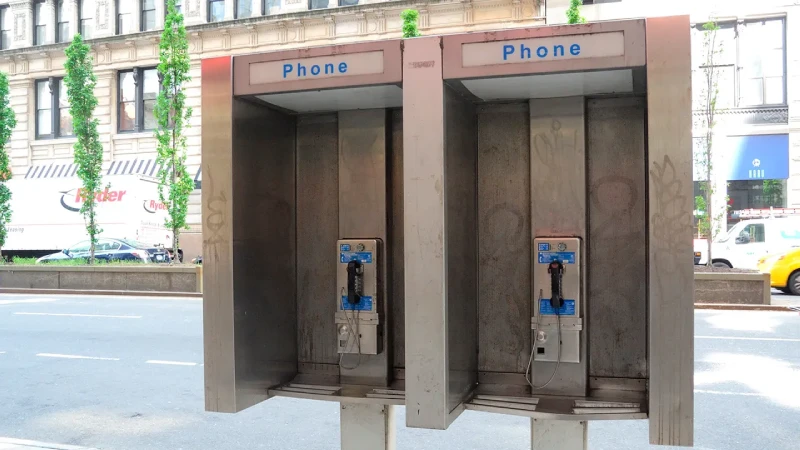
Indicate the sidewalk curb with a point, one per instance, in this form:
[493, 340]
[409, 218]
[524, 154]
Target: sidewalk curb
[26, 291]
[740, 307]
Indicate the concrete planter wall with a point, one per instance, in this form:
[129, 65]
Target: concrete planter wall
[735, 288]
[101, 278]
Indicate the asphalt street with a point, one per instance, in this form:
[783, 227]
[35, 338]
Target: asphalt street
[126, 373]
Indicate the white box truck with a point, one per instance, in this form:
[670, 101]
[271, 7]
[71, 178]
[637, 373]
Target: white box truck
[46, 214]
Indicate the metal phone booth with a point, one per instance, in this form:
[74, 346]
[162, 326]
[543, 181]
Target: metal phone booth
[303, 231]
[548, 202]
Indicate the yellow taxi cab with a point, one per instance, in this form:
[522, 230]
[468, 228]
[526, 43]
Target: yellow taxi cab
[783, 269]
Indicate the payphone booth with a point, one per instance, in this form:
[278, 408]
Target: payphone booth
[548, 201]
[302, 208]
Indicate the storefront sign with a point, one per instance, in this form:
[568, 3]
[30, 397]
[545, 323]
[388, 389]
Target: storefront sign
[599, 45]
[757, 157]
[344, 65]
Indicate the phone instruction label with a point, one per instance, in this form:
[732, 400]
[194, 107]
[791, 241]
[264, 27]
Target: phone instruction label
[365, 304]
[567, 308]
[564, 257]
[362, 257]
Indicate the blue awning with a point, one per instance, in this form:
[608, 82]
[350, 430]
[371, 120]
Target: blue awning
[758, 157]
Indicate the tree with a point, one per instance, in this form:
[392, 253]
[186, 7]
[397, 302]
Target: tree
[8, 121]
[80, 81]
[574, 12]
[708, 221]
[410, 28]
[173, 117]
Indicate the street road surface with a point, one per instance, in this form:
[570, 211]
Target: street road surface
[126, 373]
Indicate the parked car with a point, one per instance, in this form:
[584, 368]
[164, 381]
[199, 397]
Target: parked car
[749, 240]
[783, 270]
[110, 249]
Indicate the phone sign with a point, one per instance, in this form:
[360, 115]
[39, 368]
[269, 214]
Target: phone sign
[345, 247]
[544, 247]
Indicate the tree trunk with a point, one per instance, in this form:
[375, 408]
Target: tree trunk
[91, 235]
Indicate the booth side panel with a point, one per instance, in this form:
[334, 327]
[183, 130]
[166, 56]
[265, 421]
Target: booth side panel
[317, 233]
[558, 208]
[504, 208]
[670, 273]
[461, 167]
[617, 263]
[396, 242]
[217, 208]
[424, 232]
[264, 250]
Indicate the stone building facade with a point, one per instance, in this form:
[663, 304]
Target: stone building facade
[757, 133]
[124, 36]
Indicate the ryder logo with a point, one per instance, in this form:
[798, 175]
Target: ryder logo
[152, 206]
[73, 199]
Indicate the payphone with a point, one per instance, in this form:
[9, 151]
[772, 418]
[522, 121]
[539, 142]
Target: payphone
[358, 294]
[556, 323]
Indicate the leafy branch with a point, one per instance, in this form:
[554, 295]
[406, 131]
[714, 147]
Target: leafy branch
[8, 121]
[574, 12]
[410, 18]
[174, 183]
[80, 81]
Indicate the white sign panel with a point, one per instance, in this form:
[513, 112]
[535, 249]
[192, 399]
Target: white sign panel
[599, 45]
[367, 63]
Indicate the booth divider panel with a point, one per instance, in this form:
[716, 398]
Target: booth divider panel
[461, 246]
[617, 244]
[671, 202]
[264, 250]
[504, 238]
[396, 280]
[317, 233]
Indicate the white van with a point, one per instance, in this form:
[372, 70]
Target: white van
[749, 240]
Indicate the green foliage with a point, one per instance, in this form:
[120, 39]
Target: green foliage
[79, 262]
[80, 81]
[8, 121]
[410, 27]
[173, 117]
[708, 222]
[774, 190]
[574, 12]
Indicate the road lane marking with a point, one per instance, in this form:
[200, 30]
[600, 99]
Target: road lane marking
[27, 300]
[76, 315]
[743, 394]
[171, 363]
[24, 443]
[732, 338]
[57, 355]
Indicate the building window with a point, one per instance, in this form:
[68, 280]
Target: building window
[348, 2]
[52, 109]
[148, 15]
[124, 16]
[86, 18]
[244, 9]
[39, 23]
[317, 4]
[62, 22]
[138, 89]
[5, 27]
[762, 63]
[216, 10]
[750, 64]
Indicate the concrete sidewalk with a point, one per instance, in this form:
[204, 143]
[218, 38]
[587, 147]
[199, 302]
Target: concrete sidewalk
[22, 444]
